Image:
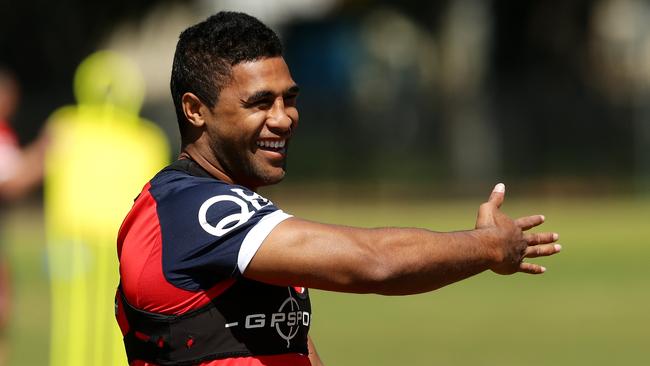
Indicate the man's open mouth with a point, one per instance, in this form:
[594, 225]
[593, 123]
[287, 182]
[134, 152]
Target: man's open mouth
[272, 145]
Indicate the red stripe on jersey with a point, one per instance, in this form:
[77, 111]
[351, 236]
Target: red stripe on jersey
[139, 248]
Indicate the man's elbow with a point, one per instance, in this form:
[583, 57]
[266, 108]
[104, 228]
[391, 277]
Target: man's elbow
[376, 274]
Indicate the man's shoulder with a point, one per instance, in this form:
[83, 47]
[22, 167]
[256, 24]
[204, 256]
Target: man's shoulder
[182, 178]
[181, 194]
[210, 229]
[176, 181]
[184, 183]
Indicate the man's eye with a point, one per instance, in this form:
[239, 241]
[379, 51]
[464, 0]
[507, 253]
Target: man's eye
[290, 100]
[265, 104]
[261, 104]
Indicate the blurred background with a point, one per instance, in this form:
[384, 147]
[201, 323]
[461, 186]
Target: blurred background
[410, 112]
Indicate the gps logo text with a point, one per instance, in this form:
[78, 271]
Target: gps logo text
[286, 321]
[289, 319]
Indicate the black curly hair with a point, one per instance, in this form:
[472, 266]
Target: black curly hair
[206, 52]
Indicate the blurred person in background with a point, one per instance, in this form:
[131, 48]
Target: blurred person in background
[21, 170]
[212, 273]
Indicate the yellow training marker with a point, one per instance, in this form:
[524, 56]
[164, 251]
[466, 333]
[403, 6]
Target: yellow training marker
[100, 154]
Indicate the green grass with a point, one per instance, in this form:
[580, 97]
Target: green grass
[592, 307]
[26, 340]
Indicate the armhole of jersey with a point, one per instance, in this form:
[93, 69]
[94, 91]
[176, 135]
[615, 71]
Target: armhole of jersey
[256, 236]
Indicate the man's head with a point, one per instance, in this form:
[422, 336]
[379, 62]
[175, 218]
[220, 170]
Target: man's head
[207, 51]
[235, 98]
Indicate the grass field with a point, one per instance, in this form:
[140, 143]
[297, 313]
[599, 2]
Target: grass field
[592, 307]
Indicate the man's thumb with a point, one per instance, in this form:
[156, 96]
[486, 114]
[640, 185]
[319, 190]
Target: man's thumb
[498, 194]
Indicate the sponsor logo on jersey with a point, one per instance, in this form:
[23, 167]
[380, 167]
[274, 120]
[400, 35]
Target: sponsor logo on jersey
[235, 220]
[286, 321]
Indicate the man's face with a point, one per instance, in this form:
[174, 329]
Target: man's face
[250, 126]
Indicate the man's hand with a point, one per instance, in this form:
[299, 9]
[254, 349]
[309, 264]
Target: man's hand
[508, 239]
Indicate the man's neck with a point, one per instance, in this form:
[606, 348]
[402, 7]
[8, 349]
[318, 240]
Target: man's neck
[191, 152]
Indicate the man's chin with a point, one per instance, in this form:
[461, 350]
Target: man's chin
[274, 178]
[267, 177]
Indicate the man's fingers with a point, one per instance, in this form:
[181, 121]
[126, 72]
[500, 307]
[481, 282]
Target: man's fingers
[540, 238]
[531, 268]
[529, 222]
[497, 195]
[542, 250]
[486, 210]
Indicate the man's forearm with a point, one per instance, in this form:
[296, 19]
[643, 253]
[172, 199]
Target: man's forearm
[390, 261]
[416, 260]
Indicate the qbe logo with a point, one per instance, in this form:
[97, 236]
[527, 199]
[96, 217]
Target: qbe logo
[231, 222]
[286, 321]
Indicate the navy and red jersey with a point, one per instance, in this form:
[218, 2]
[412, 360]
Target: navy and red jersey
[186, 241]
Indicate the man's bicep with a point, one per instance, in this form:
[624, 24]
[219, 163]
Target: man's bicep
[303, 253]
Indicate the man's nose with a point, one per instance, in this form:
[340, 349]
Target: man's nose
[278, 119]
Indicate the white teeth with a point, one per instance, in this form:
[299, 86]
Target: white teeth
[271, 144]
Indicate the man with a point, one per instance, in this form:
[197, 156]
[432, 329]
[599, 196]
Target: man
[213, 273]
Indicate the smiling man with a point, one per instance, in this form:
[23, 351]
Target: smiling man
[212, 273]
[243, 138]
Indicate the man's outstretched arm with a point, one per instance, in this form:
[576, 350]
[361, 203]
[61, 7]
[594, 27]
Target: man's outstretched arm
[399, 261]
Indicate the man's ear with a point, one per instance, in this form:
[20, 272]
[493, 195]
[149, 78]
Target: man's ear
[194, 110]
